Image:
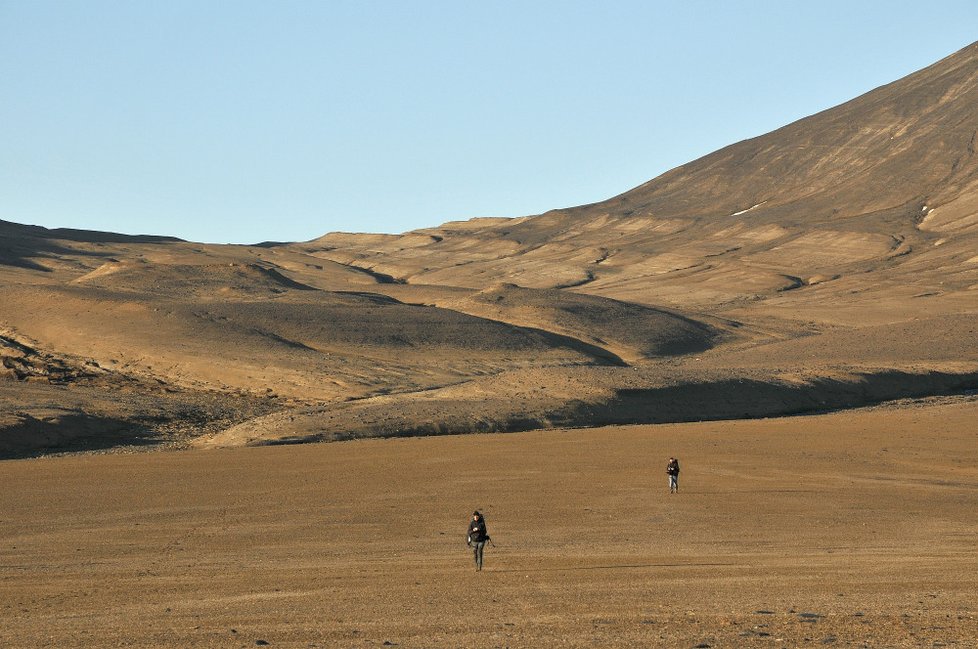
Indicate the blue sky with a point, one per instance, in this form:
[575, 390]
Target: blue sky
[250, 121]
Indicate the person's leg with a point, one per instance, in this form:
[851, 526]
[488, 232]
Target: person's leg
[672, 483]
[479, 548]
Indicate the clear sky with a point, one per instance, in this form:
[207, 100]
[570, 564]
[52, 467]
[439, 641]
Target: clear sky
[283, 120]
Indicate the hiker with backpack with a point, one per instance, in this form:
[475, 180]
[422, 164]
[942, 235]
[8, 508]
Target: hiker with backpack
[673, 470]
[477, 537]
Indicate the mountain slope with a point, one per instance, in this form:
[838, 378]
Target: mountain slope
[830, 263]
[886, 183]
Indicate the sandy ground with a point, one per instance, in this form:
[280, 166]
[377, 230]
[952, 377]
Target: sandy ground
[853, 529]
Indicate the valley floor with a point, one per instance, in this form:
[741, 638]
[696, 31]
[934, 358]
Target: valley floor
[852, 529]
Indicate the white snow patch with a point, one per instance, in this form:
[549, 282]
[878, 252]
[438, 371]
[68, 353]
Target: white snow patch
[748, 209]
[928, 217]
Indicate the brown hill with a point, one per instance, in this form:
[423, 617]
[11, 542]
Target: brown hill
[633, 331]
[827, 264]
[882, 188]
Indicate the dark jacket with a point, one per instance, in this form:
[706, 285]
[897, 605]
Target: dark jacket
[673, 467]
[477, 531]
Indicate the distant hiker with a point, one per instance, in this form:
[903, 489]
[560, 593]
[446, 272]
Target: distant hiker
[477, 537]
[673, 470]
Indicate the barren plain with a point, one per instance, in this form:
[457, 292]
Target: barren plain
[852, 529]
